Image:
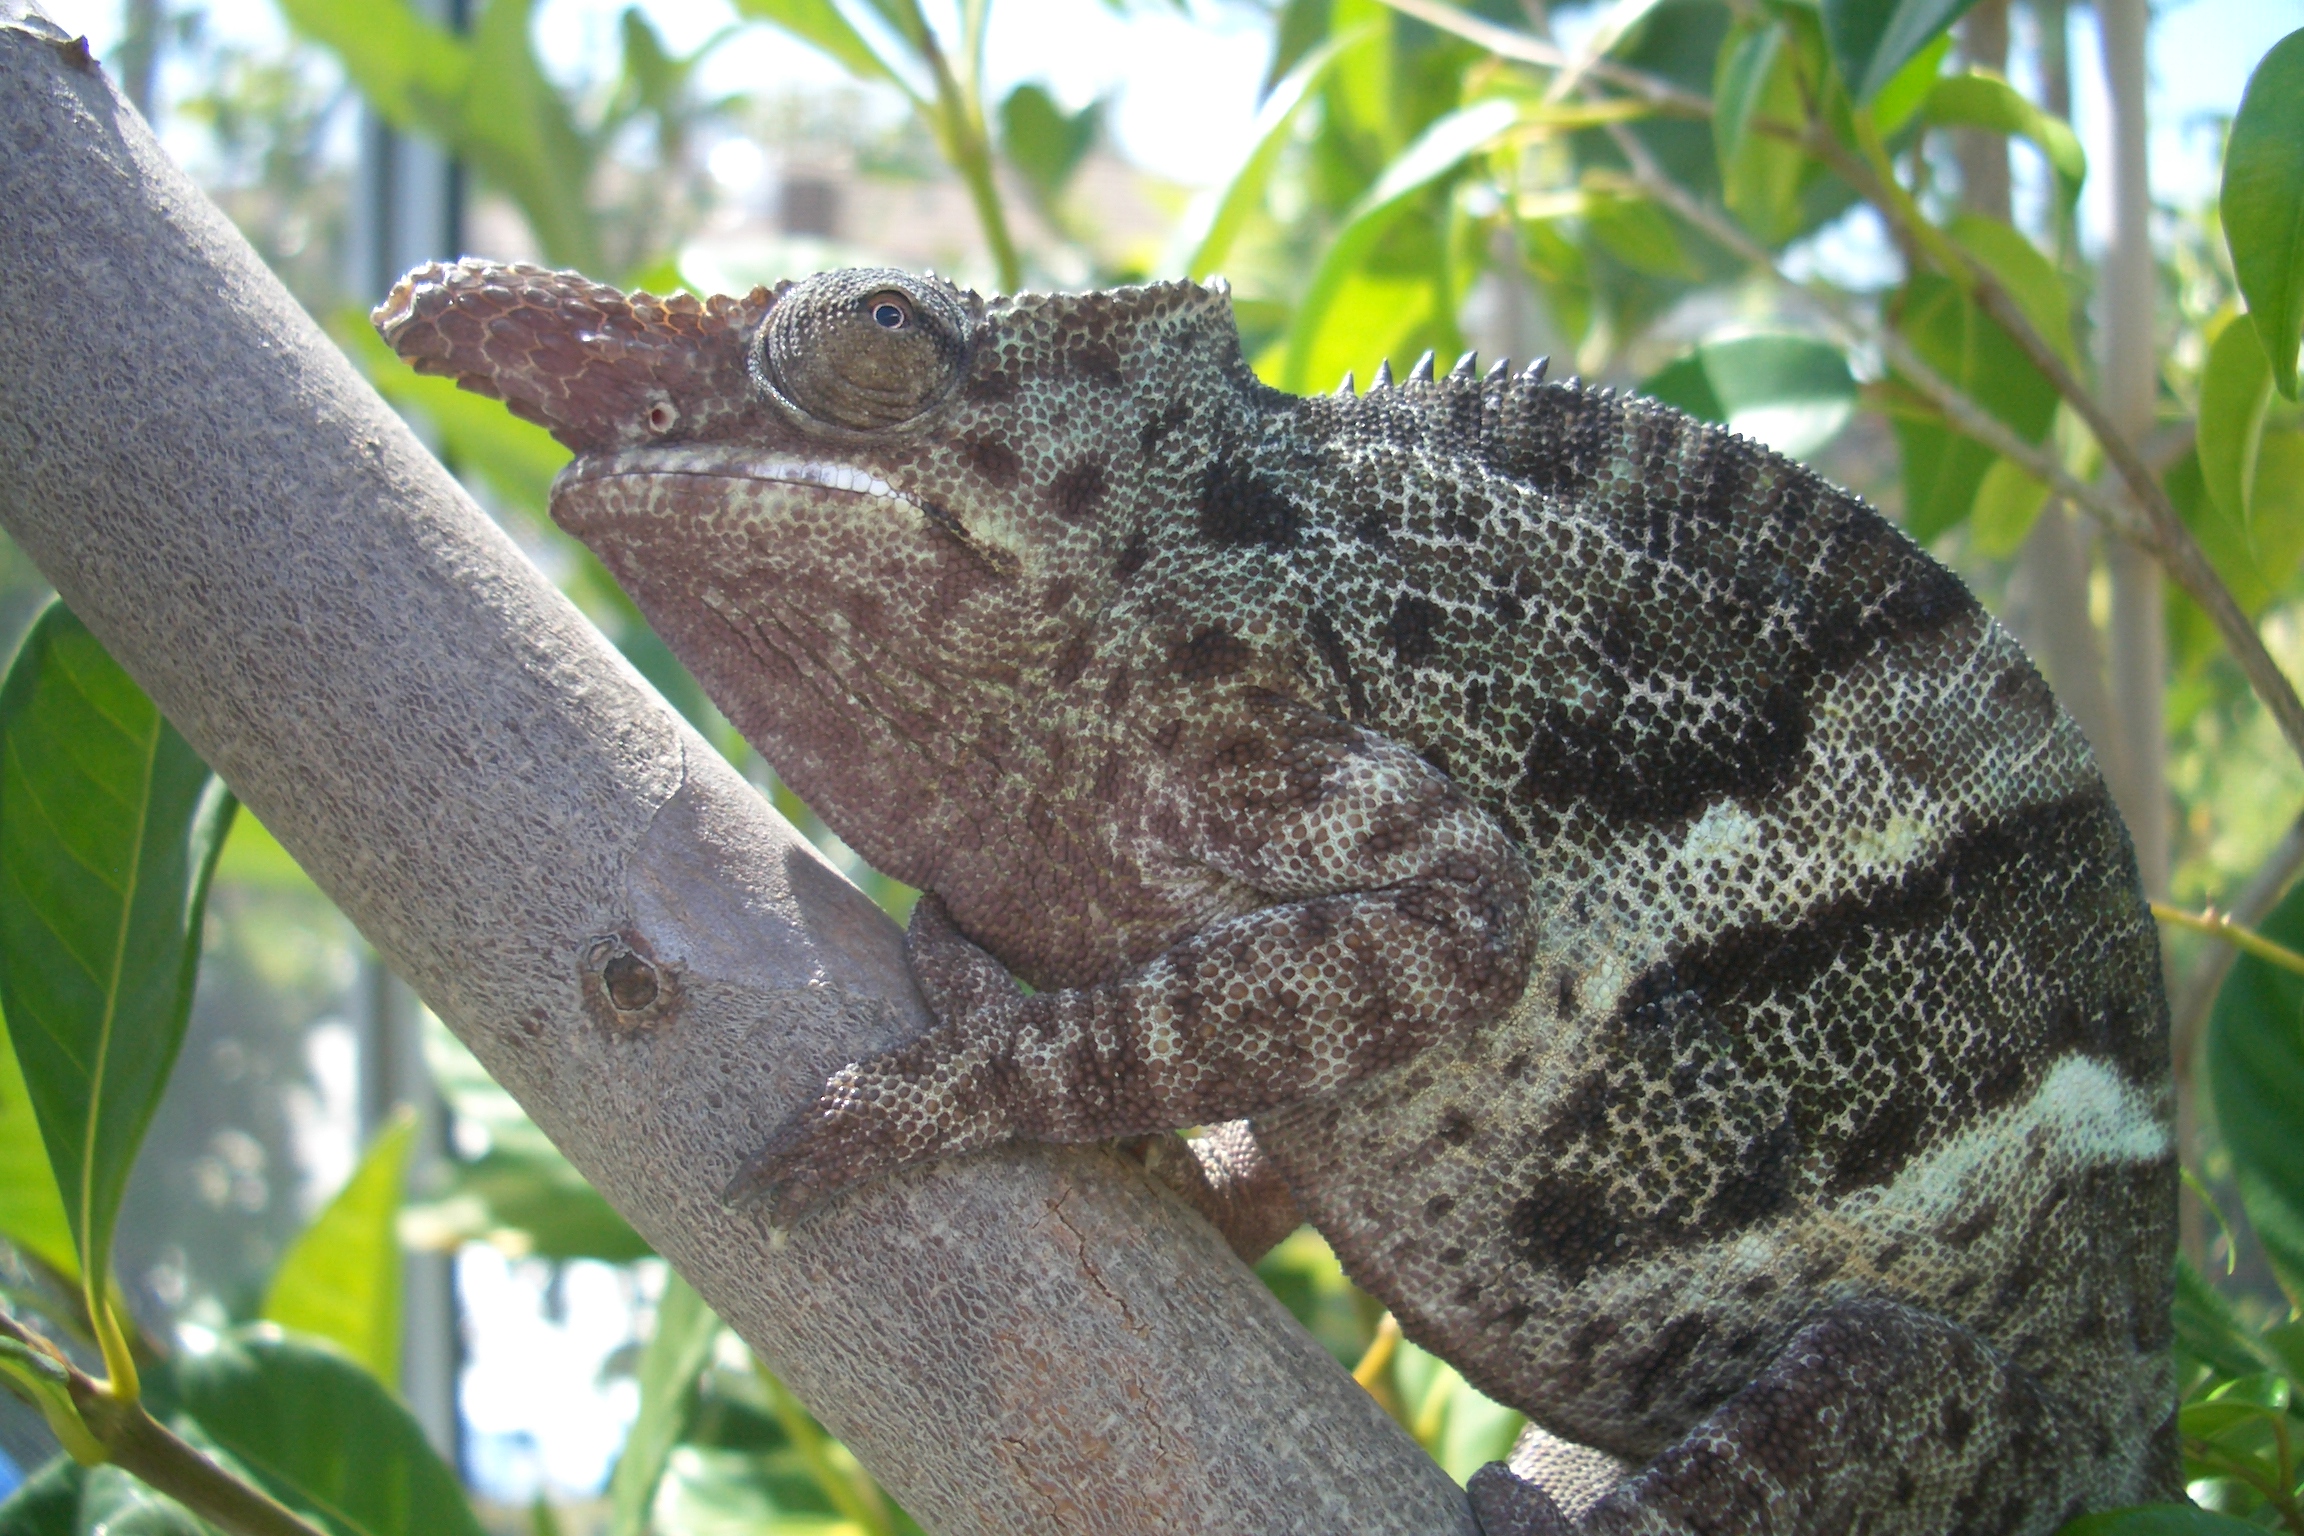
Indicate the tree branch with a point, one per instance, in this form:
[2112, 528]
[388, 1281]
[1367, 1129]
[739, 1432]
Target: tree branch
[1032, 1339]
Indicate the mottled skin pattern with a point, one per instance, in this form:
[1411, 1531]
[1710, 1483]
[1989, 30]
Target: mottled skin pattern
[1662, 931]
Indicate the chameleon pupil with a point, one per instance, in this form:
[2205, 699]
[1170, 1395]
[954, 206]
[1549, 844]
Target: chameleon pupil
[890, 317]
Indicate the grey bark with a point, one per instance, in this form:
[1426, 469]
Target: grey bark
[1983, 155]
[2130, 374]
[1029, 1340]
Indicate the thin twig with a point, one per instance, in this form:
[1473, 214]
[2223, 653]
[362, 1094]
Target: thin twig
[2257, 898]
[2162, 533]
[128, 1437]
[1506, 43]
[2218, 925]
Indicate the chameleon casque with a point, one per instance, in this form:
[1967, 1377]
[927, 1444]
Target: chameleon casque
[1653, 922]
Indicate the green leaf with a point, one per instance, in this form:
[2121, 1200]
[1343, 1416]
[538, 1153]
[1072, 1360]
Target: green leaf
[1872, 39]
[1943, 470]
[340, 1279]
[482, 97]
[819, 24]
[1791, 392]
[1979, 99]
[66, 1499]
[2235, 399]
[2030, 278]
[2251, 448]
[409, 68]
[321, 1435]
[514, 124]
[2211, 1331]
[1218, 220]
[1637, 233]
[109, 828]
[31, 1207]
[1903, 95]
[2256, 1077]
[2008, 502]
[1762, 176]
[47, 1503]
[520, 1195]
[1435, 156]
[1044, 142]
[2159, 1520]
[45, 1382]
[679, 1349]
[2263, 203]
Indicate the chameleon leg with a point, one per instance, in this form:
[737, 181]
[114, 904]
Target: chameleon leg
[1400, 912]
[1223, 1174]
[1228, 1179]
[1873, 1407]
[1267, 1009]
[1547, 1484]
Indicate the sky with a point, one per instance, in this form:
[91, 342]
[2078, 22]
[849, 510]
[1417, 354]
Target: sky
[1183, 89]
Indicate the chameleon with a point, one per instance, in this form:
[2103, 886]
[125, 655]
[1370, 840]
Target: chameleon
[1627, 896]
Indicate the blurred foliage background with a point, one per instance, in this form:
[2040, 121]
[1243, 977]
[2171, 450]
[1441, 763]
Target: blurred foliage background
[1849, 228]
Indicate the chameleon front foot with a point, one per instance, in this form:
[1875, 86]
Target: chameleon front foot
[833, 1143]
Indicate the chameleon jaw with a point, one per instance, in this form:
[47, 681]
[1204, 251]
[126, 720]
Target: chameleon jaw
[720, 463]
[727, 464]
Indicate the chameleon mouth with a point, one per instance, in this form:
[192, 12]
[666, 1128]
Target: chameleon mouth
[656, 463]
[728, 464]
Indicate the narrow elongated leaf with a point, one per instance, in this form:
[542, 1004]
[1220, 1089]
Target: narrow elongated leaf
[408, 67]
[1218, 220]
[2251, 448]
[1437, 153]
[340, 1279]
[2030, 278]
[1943, 470]
[482, 97]
[819, 24]
[321, 1435]
[31, 1206]
[1758, 85]
[1872, 39]
[2008, 502]
[2256, 1074]
[1908, 88]
[1980, 99]
[2235, 394]
[677, 1352]
[516, 127]
[2263, 203]
[1043, 141]
[109, 827]
[2208, 1328]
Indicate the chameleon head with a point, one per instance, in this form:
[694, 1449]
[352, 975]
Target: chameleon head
[868, 495]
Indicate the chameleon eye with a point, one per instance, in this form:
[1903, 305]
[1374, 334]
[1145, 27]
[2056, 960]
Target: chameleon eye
[862, 350]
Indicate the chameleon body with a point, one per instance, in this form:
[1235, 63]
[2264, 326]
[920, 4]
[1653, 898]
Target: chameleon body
[1654, 923]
